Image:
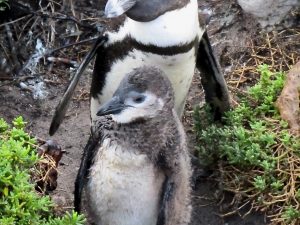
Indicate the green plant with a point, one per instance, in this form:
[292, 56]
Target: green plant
[260, 183]
[257, 155]
[19, 202]
[291, 214]
[72, 218]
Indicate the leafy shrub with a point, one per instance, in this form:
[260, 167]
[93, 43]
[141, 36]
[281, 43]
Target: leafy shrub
[256, 151]
[19, 202]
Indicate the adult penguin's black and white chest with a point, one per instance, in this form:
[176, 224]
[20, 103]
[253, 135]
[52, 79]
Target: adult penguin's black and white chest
[169, 42]
[162, 33]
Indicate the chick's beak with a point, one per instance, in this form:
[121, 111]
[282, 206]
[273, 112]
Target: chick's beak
[114, 106]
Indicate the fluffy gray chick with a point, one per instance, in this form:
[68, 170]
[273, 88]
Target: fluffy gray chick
[136, 163]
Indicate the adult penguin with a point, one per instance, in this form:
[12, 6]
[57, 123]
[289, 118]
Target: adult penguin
[162, 33]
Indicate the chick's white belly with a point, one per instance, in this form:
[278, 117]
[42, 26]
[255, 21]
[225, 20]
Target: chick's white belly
[123, 188]
[178, 68]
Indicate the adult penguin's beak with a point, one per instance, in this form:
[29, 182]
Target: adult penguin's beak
[116, 8]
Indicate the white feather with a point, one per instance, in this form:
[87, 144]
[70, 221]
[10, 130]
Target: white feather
[124, 187]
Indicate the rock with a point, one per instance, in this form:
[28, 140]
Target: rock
[288, 102]
[59, 200]
[268, 12]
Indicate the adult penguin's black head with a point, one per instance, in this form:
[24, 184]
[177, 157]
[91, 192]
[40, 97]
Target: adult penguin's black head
[142, 10]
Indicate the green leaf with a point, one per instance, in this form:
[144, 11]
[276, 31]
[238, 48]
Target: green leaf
[5, 191]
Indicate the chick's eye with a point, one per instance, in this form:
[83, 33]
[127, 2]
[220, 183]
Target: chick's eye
[139, 99]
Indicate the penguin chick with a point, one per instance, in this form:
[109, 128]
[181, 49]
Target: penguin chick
[136, 165]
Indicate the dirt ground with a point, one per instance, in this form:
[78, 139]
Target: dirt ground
[230, 33]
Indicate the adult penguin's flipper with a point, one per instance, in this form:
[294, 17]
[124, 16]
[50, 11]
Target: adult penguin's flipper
[62, 106]
[212, 79]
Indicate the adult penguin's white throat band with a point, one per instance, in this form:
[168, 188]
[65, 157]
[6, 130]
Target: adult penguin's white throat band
[116, 8]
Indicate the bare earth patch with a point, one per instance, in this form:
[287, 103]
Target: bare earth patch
[33, 89]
